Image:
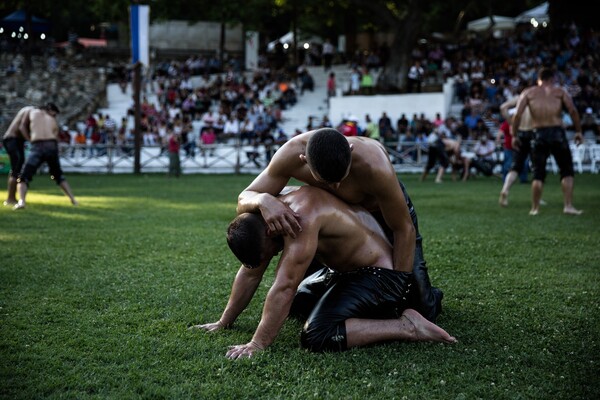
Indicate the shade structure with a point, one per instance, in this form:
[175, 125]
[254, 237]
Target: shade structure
[539, 13]
[485, 23]
[18, 19]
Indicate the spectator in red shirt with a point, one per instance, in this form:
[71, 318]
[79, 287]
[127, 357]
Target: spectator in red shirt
[174, 147]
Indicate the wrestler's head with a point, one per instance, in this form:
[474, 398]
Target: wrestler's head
[328, 155]
[546, 74]
[51, 108]
[249, 241]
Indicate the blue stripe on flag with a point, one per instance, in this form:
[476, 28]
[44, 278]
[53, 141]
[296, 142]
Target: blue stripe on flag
[135, 33]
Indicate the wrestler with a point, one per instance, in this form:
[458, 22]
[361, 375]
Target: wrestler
[40, 124]
[357, 170]
[363, 302]
[14, 144]
[521, 149]
[546, 102]
[441, 150]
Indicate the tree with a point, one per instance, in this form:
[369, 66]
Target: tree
[404, 20]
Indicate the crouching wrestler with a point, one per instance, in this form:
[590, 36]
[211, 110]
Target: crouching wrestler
[359, 300]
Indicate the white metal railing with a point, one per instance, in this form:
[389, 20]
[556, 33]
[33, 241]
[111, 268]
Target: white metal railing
[232, 158]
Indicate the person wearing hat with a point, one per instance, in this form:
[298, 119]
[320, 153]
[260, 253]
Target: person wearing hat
[41, 126]
[14, 144]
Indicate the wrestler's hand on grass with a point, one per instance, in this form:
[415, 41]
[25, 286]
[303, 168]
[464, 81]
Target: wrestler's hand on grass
[281, 219]
[243, 350]
[210, 327]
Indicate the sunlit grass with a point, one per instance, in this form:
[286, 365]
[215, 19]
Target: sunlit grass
[95, 300]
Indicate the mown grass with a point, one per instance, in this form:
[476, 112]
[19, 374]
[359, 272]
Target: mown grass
[95, 300]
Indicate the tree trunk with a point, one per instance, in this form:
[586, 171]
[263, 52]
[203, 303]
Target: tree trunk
[405, 35]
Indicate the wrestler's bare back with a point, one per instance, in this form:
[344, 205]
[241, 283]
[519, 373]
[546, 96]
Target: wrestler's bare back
[42, 125]
[13, 128]
[349, 236]
[545, 105]
[356, 187]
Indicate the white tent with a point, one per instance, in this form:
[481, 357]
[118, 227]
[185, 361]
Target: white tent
[483, 24]
[539, 13]
[289, 39]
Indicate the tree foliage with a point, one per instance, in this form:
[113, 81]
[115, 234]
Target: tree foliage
[405, 20]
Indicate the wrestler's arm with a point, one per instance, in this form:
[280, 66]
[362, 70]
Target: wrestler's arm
[392, 205]
[295, 259]
[507, 105]
[55, 129]
[242, 291]
[24, 125]
[521, 104]
[568, 102]
[261, 196]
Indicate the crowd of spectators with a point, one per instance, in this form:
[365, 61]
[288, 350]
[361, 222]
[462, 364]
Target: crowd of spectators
[201, 110]
[205, 103]
[487, 71]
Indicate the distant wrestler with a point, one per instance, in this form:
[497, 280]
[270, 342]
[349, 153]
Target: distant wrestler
[41, 126]
[546, 102]
[14, 144]
[519, 153]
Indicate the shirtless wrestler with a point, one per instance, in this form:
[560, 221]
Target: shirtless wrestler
[359, 301]
[546, 102]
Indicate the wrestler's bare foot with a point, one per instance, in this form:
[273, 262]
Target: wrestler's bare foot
[20, 205]
[503, 201]
[534, 212]
[9, 202]
[572, 211]
[425, 331]
[75, 202]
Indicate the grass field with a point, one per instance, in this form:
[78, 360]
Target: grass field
[95, 300]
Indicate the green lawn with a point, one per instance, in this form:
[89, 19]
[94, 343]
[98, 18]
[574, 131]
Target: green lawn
[95, 300]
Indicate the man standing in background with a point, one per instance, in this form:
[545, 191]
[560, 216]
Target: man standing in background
[546, 102]
[41, 126]
[14, 144]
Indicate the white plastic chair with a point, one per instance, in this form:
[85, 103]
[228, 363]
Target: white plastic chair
[595, 158]
[578, 154]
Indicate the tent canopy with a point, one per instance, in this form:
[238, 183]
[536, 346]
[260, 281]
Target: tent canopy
[289, 39]
[539, 13]
[485, 23]
[18, 19]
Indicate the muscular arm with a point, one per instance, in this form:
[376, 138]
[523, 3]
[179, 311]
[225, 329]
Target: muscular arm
[568, 102]
[244, 286]
[242, 291]
[507, 105]
[392, 205]
[295, 259]
[24, 126]
[522, 103]
[260, 196]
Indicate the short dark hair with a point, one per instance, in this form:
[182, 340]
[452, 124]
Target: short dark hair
[546, 74]
[52, 107]
[246, 237]
[328, 153]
